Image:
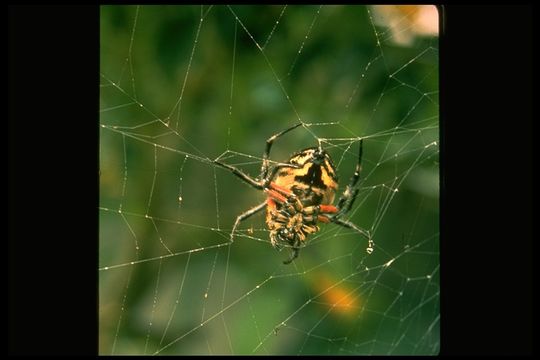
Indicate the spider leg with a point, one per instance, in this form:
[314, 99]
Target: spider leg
[246, 215]
[352, 226]
[293, 256]
[265, 166]
[246, 178]
[269, 142]
[348, 197]
[282, 194]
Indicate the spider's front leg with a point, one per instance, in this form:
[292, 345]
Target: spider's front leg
[264, 178]
[239, 173]
[269, 142]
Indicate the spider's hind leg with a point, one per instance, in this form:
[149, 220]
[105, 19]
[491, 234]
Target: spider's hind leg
[348, 197]
[362, 232]
[246, 215]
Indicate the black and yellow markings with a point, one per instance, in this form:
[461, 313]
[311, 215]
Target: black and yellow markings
[321, 175]
[313, 178]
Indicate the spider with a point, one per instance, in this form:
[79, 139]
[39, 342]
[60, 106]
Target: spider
[300, 194]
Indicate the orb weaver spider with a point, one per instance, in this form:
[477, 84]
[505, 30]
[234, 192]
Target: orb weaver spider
[300, 194]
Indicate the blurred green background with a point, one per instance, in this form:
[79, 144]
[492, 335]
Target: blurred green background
[177, 92]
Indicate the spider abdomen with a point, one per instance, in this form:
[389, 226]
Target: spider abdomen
[313, 184]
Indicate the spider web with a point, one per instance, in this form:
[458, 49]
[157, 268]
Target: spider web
[181, 86]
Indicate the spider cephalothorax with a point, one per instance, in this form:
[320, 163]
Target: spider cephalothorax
[300, 194]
